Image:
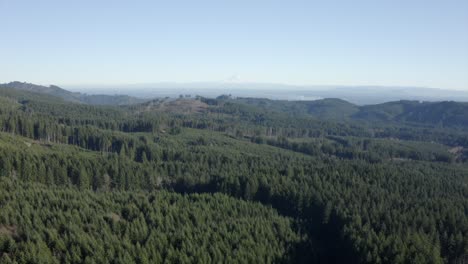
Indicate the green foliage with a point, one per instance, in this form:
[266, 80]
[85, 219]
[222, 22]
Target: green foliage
[65, 225]
[83, 183]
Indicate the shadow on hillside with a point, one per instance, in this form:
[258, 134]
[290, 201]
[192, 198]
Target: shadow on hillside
[324, 242]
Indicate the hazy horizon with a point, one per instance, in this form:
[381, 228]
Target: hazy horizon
[220, 84]
[360, 95]
[355, 94]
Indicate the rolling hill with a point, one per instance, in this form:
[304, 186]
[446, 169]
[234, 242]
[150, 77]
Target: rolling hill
[56, 91]
[247, 180]
[443, 114]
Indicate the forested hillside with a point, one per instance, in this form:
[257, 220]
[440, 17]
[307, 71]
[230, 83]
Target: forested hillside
[201, 180]
[442, 114]
[56, 91]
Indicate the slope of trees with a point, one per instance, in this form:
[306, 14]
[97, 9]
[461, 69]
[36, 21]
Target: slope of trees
[39, 224]
[347, 192]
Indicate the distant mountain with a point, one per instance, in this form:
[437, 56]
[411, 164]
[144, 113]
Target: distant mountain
[361, 95]
[75, 97]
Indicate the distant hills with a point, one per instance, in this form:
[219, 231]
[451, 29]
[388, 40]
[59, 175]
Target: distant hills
[444, 113]
[75, 97]
[447, 113]
[360, 95]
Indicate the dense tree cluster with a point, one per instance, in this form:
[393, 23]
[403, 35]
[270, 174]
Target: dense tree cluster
[128, 182]
[65, 225]
[371, 150]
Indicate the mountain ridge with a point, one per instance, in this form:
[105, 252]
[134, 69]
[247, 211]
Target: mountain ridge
[440, 113]
[76, 97]
[443, 113]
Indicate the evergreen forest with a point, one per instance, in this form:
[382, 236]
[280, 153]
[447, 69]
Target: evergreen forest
[230, 180]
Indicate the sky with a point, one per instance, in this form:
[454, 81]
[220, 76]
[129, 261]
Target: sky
[359, 42]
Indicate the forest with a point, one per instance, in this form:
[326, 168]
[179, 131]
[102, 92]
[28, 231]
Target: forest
[230, 180]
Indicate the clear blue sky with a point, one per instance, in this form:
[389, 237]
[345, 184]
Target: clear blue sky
[359, 42]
